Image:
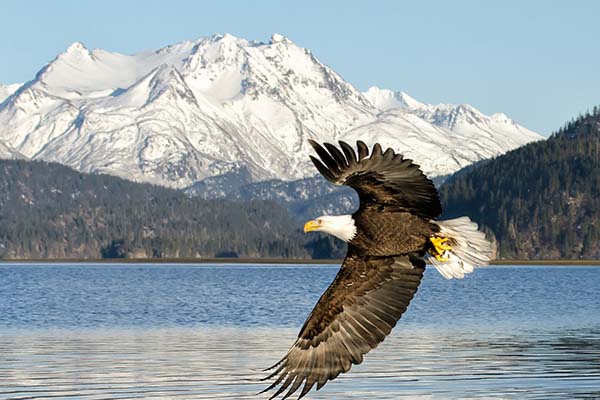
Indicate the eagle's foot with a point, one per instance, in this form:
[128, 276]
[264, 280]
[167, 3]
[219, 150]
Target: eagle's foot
[440, 248]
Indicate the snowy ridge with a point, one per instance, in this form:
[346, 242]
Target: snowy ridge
[385, 99]
[442, 138]
[7, 90]
[213, 106]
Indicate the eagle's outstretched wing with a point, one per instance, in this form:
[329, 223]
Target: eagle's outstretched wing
[381, 179]
[355, 314]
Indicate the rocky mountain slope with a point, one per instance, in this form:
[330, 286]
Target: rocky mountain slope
[221, 104]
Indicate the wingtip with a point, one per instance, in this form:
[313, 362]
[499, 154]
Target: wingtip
[314, 143]
[376, 149]
[323, 170]
[363, 150]
[274, 365]
[349, 152]
[337, 155]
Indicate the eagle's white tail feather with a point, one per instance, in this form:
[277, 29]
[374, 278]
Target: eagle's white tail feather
[469, 248]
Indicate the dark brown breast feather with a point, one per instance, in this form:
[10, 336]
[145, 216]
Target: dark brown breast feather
[354, 315]
[381, 179]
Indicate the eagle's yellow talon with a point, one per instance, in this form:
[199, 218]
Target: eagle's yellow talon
[440, 258]
[439, 247]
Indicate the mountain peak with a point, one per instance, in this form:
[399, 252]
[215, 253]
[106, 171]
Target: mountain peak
[501, 117]
[408, 101]
[76, 49]
[167, 81]
[278, 38]
[226, 37]
[467, 108]
[385, 99]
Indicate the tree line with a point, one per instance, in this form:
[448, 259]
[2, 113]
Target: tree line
[51, 211]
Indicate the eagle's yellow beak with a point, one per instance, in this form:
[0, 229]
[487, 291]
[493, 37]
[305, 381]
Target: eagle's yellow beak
[311, 225]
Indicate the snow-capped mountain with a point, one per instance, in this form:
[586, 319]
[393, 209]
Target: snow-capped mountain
[219, 104]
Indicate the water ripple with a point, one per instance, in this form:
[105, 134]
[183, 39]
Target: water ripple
[187, 332]
[224, 363]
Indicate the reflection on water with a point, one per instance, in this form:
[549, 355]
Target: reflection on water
[224, 363]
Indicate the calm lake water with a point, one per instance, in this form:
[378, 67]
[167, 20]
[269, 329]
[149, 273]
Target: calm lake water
[112, 331]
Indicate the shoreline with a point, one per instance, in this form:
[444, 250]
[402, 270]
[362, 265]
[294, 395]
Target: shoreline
[255, 261]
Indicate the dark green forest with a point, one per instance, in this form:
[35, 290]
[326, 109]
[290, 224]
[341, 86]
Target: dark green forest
[51, 211]
[541, 201]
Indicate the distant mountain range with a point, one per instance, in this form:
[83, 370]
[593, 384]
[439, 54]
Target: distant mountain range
[226, 107]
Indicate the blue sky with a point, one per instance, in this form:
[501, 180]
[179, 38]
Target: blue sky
[537, 61]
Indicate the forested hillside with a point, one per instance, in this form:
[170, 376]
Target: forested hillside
[541, 201]
[51, 211]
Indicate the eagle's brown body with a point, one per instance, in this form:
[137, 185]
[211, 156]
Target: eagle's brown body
[391, 233]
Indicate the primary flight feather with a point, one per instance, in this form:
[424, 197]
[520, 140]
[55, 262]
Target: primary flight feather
[388, 236]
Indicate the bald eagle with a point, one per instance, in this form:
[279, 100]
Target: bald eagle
[388, 236]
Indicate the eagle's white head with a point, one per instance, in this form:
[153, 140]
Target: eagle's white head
[341, 226]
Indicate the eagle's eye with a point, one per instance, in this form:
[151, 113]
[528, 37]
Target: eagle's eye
[320, 221]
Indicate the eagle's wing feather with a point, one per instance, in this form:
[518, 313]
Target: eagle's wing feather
[354, 315]
[381, 179]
